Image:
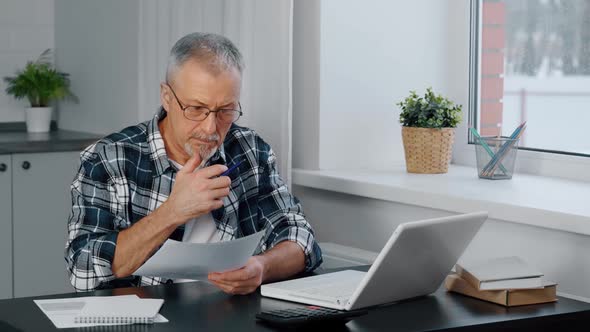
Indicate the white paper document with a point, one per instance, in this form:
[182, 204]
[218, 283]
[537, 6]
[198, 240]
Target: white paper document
[185, 260]
[62, 312]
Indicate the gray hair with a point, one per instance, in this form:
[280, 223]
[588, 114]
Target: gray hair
[215, 51]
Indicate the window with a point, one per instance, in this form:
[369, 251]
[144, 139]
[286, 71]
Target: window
[533, 64]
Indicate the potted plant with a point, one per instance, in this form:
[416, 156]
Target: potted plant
[41, 84]
[428, 131]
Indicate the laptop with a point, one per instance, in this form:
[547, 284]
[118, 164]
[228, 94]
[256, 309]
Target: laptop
[414, 262]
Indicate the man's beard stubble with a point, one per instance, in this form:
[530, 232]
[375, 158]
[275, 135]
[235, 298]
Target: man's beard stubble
[205, 151]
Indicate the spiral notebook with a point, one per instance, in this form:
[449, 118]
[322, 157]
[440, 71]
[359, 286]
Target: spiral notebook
[119, 310]
[69, 312]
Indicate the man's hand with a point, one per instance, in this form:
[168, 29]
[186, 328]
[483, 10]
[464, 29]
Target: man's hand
[197, 193]
[193, 194]
[242, 281]
[282, 261]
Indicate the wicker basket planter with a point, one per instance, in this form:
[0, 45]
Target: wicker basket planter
[428, 150]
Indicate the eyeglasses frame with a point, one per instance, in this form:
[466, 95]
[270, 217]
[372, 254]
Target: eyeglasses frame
[209, 111]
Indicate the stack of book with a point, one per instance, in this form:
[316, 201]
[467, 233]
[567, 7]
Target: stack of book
[508, 281]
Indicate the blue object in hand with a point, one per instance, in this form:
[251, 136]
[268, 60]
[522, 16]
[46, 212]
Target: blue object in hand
[229, 170]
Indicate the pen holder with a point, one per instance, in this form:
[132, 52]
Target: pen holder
[496, 157]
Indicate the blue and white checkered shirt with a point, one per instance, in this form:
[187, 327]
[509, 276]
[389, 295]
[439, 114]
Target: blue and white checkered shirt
[127, 175]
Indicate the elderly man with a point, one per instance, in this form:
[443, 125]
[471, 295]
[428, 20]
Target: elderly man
[161, 180]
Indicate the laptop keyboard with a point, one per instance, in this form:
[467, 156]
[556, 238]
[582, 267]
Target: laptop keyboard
[342, 289]
[336, 287]
[339, 285]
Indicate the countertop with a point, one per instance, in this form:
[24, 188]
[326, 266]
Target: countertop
[53, 141]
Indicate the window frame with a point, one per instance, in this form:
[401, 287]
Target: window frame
[561, 164]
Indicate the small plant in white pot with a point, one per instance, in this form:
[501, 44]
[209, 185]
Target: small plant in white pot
[41, 84]
[428, 131]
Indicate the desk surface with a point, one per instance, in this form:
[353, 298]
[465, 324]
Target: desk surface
[199, 306]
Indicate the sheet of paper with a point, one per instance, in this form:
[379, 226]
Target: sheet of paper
[185, 260]
[61, 312]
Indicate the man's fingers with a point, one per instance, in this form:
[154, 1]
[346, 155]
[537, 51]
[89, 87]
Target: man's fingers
[211, 171]
[235, 291]
[238, 275]
[224, 284]
[220, 182]
[235, 288]
[219, 193]
[216, 204]
[190, 165]
[230, 283]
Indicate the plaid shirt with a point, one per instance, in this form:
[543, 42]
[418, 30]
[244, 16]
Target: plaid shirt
[127, 175]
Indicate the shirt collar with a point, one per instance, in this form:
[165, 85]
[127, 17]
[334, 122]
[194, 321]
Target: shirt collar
[158, 149]
[156, 144]
[218, 157]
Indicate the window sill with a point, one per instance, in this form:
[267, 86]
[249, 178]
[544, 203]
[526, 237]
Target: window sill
[527, 199]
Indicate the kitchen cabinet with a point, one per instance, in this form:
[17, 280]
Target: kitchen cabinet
[5, 226]
[41, 205]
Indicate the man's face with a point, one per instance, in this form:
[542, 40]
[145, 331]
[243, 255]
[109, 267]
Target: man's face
[196, 85]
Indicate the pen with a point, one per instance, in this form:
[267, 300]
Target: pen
[231, 168]
[503, 154]
[486, 147]
[499, 154]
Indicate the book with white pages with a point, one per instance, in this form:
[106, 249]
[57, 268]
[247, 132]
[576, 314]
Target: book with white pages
[500, 273]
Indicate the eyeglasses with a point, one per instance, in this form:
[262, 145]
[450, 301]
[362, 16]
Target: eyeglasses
[200, 113]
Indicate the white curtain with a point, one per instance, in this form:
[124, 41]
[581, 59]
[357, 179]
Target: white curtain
[262, 30]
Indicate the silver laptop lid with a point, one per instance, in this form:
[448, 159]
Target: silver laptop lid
[416, 259]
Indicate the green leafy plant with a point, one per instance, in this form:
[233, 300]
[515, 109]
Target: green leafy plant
[430, 111]
[40, 82]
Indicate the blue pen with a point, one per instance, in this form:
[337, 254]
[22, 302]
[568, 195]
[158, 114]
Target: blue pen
[231, 168]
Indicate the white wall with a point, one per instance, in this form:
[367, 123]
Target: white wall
[306, 84]
[371, 54]
[97, 43]
[26, 30]
[367, 224]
